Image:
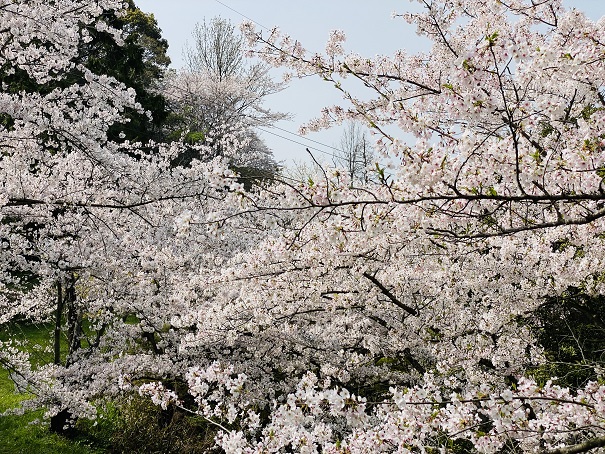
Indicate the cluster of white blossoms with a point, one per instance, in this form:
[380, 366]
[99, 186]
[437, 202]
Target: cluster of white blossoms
[320, 417]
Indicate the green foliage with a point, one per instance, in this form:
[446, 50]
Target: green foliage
[491, 39]
[140, 63]
[459, 446]
[190, 138]
[135, 425]
[250, 176]
[547, 129]
[588, 111]
[592, 145]
[492, 192]
[194, 137]
[468, 66]
[571, 328]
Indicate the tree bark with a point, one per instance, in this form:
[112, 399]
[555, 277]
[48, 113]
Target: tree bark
[581, 447]
[58, 319]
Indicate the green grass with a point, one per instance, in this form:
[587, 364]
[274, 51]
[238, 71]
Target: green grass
[21, 434]
[133, 426]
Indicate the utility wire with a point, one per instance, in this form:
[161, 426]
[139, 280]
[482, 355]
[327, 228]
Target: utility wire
[306, 138]
[243, 15]
[244, 115]
[296, 142]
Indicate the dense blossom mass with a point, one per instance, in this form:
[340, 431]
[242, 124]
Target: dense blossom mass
[401, 314]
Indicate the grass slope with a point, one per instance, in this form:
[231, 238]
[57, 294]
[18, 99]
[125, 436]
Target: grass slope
[20, 434]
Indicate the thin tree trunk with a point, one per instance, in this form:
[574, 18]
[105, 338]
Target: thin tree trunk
[60, 423]
[58, 319]
[74, 320]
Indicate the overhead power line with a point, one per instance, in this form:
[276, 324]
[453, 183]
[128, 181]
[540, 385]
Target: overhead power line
[243, 15]
[295, 141]
[333, 155]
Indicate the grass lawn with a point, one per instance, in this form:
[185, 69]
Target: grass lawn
[128, 426]
[18, 434]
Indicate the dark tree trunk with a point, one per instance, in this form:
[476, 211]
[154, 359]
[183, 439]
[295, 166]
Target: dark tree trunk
[58, 320]
[74, 320]
[60, 423]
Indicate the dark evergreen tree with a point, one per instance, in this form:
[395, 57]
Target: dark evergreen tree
[139, 63]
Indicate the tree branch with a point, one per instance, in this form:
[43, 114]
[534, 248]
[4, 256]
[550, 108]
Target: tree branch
[581, 447]
[389, 295]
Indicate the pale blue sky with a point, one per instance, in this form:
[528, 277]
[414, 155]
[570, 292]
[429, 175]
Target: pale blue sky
[368, 25]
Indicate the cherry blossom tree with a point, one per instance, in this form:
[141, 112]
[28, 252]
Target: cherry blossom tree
[221, 90]
[91, 229]
[395, 316]
[222, 112]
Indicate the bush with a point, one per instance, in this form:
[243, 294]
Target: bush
[135, 425]
[571, 329]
